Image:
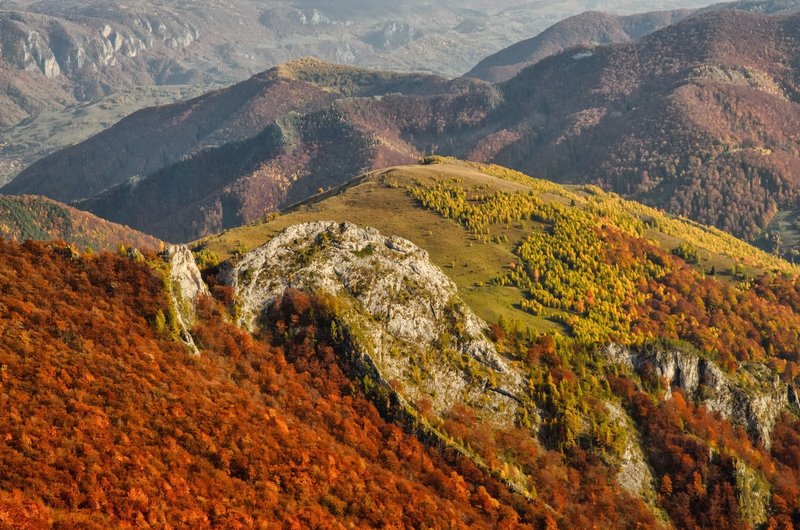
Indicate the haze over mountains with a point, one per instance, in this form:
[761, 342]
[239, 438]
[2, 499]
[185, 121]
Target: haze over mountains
[594, 28]
[59, 57]
[591, 28]
[698, 118]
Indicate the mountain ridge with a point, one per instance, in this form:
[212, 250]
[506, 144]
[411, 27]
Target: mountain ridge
[475, 223]
[720, 153]
[532, 346]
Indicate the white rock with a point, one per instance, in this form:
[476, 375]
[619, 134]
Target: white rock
[402, 304]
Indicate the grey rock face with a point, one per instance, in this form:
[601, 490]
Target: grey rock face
[410, 323]
[185, 275]
[753, 401]
[53, 46]
[186, 285]
[635, 475]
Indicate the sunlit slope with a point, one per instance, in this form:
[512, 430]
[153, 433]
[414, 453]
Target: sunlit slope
[389, 200]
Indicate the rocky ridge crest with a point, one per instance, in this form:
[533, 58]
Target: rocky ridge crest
[403, 314]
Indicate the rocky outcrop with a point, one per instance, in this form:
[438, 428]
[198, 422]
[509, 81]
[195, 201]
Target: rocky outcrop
[53, 45]
[753, 400]
[635, 475]
[403, 314]
[185, 286]
[753, 492]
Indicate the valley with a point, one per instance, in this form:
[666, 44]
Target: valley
[686, 119]
[283, 266]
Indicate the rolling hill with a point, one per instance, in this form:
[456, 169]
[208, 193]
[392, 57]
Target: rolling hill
[223, 158]
[447, 344]
[62, 60]
[41, 219]
[582, 287]
[698, 118]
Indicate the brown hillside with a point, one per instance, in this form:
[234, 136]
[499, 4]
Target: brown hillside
[592, 28]
[39, 218]
[699, 118]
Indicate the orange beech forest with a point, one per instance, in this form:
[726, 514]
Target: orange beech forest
[111, 423]
[107, 424]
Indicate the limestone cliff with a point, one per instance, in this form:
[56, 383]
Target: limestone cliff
[403, 314]
[185, 286]
[753, 400]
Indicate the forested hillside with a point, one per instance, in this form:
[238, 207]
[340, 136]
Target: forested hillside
[598, 28]
[651, 363]
[648, 343]
[698, 118]
[593, 28]
[110, 422]
[38, 218]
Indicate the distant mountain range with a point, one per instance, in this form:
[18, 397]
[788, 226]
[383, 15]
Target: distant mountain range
[227, 157]
[698, 118]
[595, 28]
[592, 28]
[74, 61]
[56, 53]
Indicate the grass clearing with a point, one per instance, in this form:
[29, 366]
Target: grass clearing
[381, 200]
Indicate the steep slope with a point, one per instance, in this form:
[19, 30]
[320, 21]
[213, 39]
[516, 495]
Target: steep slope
[59, 59]
[53, 129]
[397, 301]
[38, 218]
[71, 52]
[629, 356]
[110, 423]
[698, 118]
[225, 158]
[592, 28]
[647, 342]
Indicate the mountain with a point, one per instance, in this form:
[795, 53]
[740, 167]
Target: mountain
[258, 145]
[592, 28]
[240, 435]
[51, 130]
[65, 60]
[698, 118]
[57, 52]
[767, 7]
[448, 344]
[595, 28]
[38, 218]
[616, 334]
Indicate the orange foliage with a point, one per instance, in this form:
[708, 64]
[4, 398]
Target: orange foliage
[107, 424]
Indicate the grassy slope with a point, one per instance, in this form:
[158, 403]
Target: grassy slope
[380, 200]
